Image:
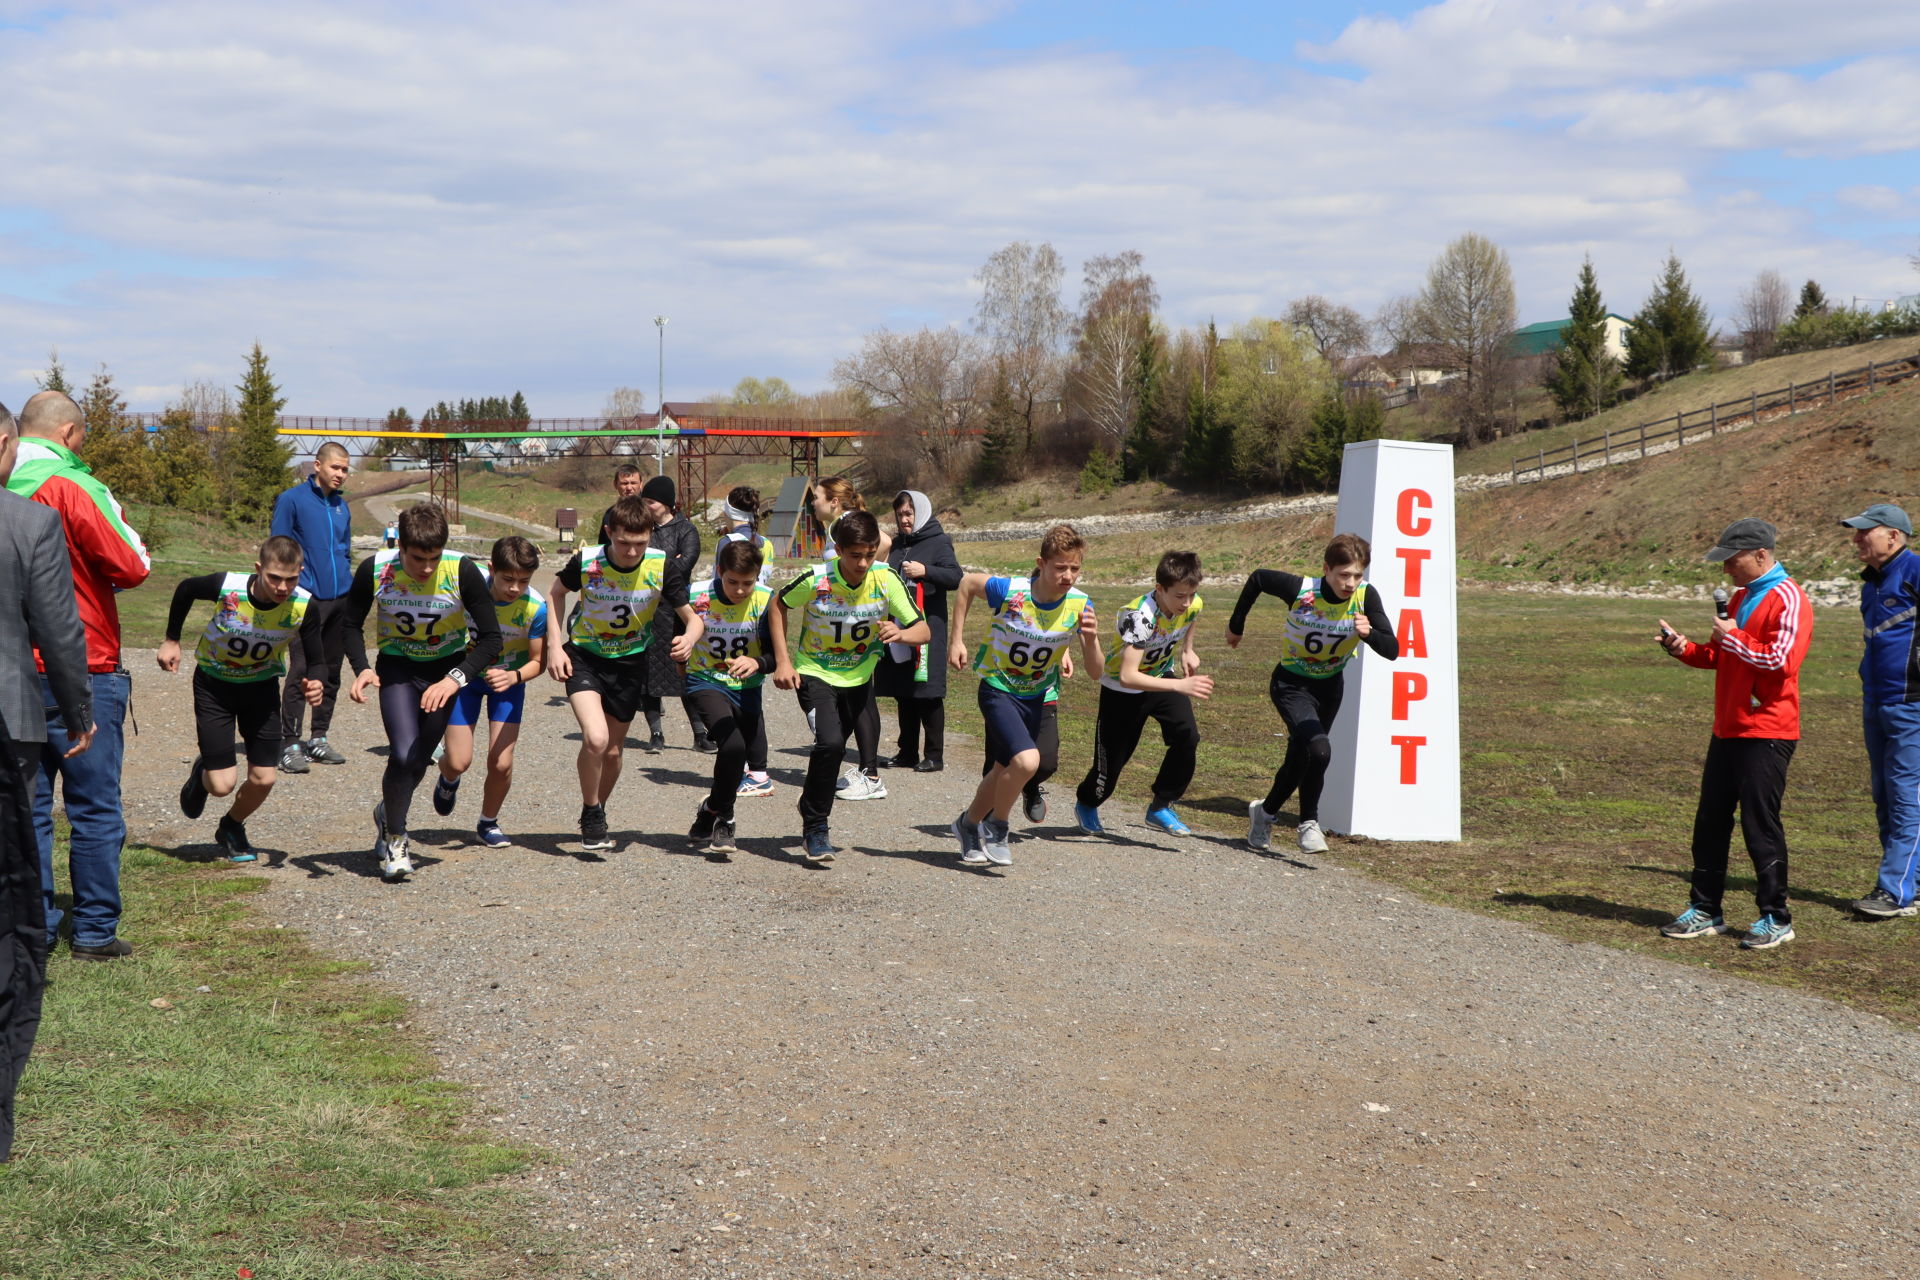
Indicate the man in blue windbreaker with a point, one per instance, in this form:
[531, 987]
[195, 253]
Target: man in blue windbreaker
[1890, 699]
[314, 514]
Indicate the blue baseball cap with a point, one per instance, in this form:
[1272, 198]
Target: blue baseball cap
[1881, 513]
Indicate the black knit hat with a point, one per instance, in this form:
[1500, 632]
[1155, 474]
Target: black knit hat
[660, 489]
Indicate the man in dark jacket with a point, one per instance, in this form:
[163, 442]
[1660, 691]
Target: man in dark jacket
[1890, 700]
[923, 556]
[314, 514]
[37, 611]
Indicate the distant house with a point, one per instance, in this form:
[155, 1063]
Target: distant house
[1419, 364]
[1365, 373]
[1544, 338]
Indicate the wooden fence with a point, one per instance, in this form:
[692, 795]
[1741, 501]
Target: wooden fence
[1754, 408]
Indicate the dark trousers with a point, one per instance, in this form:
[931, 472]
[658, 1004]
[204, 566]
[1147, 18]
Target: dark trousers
[1123, 718]
[834, 712]
[326, 622]
[1047, 740]
[412, 734]
[866, 736]
[732, 726]
[23, 922]
[923, 719]
[1749, 774]
[1308, 706]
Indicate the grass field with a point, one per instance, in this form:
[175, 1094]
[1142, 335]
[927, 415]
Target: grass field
[234, 1100]
[1581, 747]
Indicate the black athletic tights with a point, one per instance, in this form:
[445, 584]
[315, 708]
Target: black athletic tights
[733, 727]
[1308, 706]
[412, 734]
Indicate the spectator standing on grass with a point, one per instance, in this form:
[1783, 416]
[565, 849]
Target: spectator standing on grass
[916, 675]
[106, 556]
[1890, 699]
[1755, 654]
[314, 514]
[37, 611]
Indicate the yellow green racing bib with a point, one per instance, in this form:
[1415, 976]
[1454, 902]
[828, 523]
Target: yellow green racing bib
[415, 619]
[1025, 643]
[244, 642]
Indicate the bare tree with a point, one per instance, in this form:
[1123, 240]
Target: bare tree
[1023, 322]
[1763, 307]
[1467, 311]
[1117, 300]
[623, 405]
[1397, 323]
[920, 386]
[1337, 332]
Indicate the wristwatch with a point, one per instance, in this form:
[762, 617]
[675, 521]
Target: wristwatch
[458, 676]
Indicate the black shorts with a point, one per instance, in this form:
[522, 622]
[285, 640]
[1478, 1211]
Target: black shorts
[620, 682]
[220, 705]
[1013, 724]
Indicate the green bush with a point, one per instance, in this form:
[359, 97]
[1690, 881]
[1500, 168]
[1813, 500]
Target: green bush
[1101, 474]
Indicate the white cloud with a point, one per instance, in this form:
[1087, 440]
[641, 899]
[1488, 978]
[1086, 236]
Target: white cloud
[405, 204]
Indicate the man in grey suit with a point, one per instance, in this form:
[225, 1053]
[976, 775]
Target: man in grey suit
[36, 609]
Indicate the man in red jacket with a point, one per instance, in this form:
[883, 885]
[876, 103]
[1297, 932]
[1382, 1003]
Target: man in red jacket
[1755, 655]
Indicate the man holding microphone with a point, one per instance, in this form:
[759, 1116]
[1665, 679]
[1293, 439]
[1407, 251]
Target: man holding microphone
[1760, 637]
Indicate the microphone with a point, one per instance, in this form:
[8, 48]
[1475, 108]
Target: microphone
[1720, 602]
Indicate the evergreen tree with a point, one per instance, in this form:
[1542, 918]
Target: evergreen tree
[183, 464]
[258, 460]
[1000, 433]
[1813, 301]
[1672, 334]
[1585, 378]
[55, 378]
[1140, 452]
[1338, 421]
[115, 446]
[1208, 451]
[518, 413]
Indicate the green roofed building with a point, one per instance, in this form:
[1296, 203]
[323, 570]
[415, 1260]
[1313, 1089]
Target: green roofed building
[1544, 338]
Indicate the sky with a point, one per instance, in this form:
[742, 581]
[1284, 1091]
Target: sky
[410, 201]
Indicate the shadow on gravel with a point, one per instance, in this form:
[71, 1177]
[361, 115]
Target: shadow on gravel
[1582, 904]
[1745, 884]
[353, 862]
[555, 847]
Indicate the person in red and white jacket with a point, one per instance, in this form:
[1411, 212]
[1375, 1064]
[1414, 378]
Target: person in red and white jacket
[1755, 655]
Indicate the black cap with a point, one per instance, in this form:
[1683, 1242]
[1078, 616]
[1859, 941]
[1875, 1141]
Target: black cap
[660, 489]
[1742, 535]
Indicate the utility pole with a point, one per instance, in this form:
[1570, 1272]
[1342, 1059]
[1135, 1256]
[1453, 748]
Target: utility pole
[660, 400]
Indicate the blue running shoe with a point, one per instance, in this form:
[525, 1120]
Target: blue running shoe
[1168, 821]
[818, 846]
[444, 794]
[1767, 933]
[1693, 923]
[491, 835]
[1087, 818]
[751, 786]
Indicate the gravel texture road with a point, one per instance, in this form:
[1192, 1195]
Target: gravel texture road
[1131, 1056]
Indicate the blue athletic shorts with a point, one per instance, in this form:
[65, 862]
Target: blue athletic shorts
[502, 708]
[1013, 724]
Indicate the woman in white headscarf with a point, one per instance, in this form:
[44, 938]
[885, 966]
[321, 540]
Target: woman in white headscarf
[922, 554]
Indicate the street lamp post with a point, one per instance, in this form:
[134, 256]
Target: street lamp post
[660, 401]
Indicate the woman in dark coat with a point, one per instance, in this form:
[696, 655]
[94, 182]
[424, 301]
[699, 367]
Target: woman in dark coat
[677, 536]
[922, 554]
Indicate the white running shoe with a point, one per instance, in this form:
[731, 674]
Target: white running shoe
[1259, 829]
[858, 786]
[1311, 839]
[398, 864]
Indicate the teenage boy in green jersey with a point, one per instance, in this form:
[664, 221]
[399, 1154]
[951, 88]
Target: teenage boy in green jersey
[437, 631]
[1149, 672]
[603, 660]
[1327, 619]
[236, 681]
[502, 687]
[848, 609]
[1035, 621]
[724, 675]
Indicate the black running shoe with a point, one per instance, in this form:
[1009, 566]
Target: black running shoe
[193, 792]
[706, 746]
[593, 828]
[232, 836]
[1036, 805]
[703, 825]
[444, 794]
[722, 842]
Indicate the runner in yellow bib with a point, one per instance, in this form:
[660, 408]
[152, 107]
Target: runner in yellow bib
[1328, 618]
[238, 663]
[1150, 673]
[724, 675]
[603, 661]
[1036, 621]
[847, 609]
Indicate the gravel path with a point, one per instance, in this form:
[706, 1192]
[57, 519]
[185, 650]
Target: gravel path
[1137, 1056]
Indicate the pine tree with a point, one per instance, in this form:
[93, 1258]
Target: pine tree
[518, 413]
[1208, 451]
[1140, 452]
[1672, 334]
[55, 378]
[115, 446]
[1585, 378]
[1813, 301]
[1000, 434]
[258, 460]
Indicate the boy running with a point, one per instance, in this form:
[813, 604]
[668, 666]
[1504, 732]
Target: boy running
[437, 632]
[1152, 640]
[1035, 620]
[724, 675]
[849, 608]
[503, 687]
[239, 660]
[1327, 618]
[603, 662]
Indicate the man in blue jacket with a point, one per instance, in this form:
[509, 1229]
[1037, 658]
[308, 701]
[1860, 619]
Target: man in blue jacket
[314, 514]
[1890, 699]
